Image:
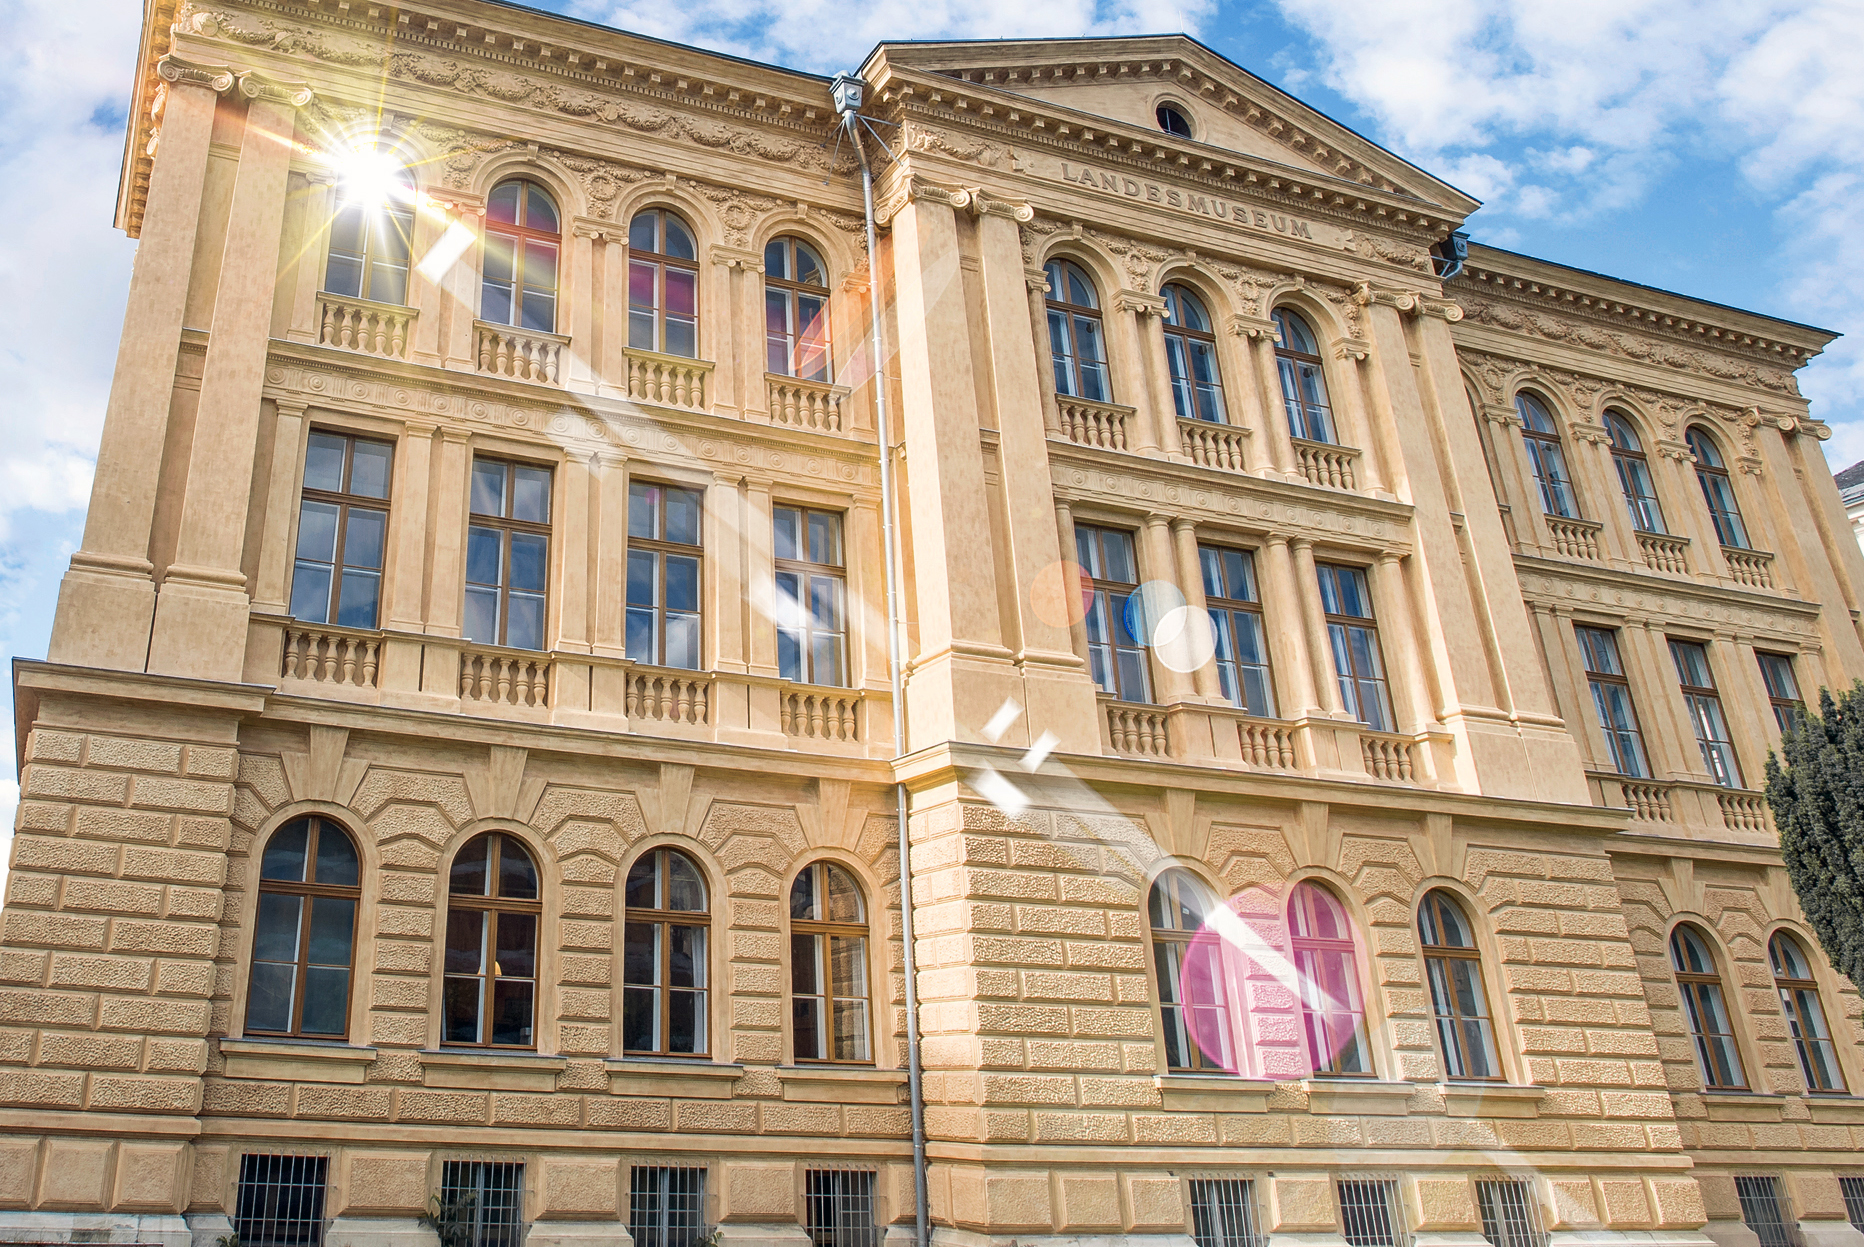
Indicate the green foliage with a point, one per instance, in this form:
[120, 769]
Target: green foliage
[227, 1240]
[1817, 798]
[452, 1219]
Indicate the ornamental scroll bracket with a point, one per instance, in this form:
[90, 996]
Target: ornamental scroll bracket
[1139, 303]
[1252, 326]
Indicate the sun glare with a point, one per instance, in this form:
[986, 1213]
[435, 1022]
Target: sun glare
[371, 176]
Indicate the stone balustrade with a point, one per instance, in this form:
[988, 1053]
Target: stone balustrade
[1388, 757]
[1325, 464]
[1268, 744]
[1743, 810]
[1649, 802]
[519, 354]
[1753, 568]
[1664, 553]
[1100, 425]
[1576, 539]
[505, 677]
[324, 655]
[1136, 730]
[379, 329]
[1210, 445]
[830, 714]
[669, 380]
[799, 404]
[659, 695]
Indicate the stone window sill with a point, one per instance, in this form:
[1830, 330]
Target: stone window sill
[841, 1084]
[1357, 1097]
[465, 1070]
[1500, 1099]
[688, 1080]
[1835, 1108]
[1227, 1093]
[295, 1061]
[1743, 1105]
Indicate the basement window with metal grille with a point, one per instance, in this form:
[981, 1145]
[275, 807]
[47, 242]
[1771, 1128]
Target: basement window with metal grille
[492, 1193]
[1766, 1210]
[1224, 1214]
[1853, 1190]
[281, 1201]
[666, 1205]
[838, 1205]
[1371, 1214]
[1510, 1213]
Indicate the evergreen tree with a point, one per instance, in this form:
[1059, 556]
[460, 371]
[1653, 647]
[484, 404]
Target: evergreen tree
[1817, 798]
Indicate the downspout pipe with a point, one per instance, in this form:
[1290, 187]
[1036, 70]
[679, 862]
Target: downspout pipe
[848, 93]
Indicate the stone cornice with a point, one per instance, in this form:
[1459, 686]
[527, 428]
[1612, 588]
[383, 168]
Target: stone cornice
[1607, 591]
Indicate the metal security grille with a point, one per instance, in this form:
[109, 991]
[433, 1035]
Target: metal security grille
[1766, 1211]
[839, 1207]
[490, 1196]
[281, 1201]
[666, 1205]
[1853, 1189]
[1223, 1213]
[1370, 1214]
[1510, 1213]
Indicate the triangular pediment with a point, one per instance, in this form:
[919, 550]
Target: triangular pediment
[1124, 80]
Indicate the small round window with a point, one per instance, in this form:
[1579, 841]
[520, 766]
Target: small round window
[1173, 121]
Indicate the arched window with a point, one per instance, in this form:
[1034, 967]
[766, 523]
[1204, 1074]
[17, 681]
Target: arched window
[663, 285]
[1332, 1012]
[1303, 378]
[795, 310]
[1542, 438]
[522, 236]
[1192, 1007]
[1076, 341]
[372, 232]
[828, 966]
[1458, 999]
[1191, 351]
[1634, 475]
[1805, 1016]
[493, 910]
[1717, 490]
[304, 932]
[664, 968]
[1172, 120]
[1709, 1025]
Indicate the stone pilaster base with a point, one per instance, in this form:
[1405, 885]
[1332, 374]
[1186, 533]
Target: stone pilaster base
[578, 1234]
[752, 1234]
[1830, 1234]
[159, 1229]
[379, 1232]
[1731, 1234]
[945, 1237]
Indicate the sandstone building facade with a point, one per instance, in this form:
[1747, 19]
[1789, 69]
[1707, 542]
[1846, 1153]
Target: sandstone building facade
[464, 765]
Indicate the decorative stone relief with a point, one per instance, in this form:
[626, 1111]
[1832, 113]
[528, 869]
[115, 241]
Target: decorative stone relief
[1392, 251]
[922, 138]
[258, 32]
[739, 210]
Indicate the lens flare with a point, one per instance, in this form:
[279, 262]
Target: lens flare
[371, 176]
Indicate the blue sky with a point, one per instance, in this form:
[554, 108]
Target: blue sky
[1713, 147]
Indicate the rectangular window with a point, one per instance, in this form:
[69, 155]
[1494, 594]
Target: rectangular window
[1611, 697]
[488, 1195]
[1853, 1190]
[281, 1201]
[1346, 599]
[666, 1205]
[1224, 1214]
[342, 531]
[838, 1207]
[1765, 1208]
[812, 588]
[1236, 616]
[1510, 1213]
[507, 554]
[1776, 670]
[1371, 1214]
[663, 575]
[1116, 656]
[1705, 712]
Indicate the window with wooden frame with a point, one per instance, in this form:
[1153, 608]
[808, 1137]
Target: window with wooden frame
[519, 273]
[1718, 491]
[1193, 1005]
[663, 574]
[663, 285]
[1709, 1026]
[304, 932]
[1611, 698]
[1776, 672]
[493, 911]
[1303, 378]
[1805, 1014]
[1191, 355]
[1077, 341]
[507, 554]
[1235, 604]
[1326, 965]
[1116, 656]
[1353, 635]
[665, 972]
[795, 310]
[1705, 711]
[371, 235]
[1459, 1001]
[342, 531]
[829, 1013]
[1634, 478]
[812, 590]
[1547, 457]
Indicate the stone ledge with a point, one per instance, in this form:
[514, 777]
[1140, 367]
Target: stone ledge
[688, 1080]
[1500, 1099]
[841, 1084]
[1836, 1110]
[295, 1062]
[1743, 1105]
[1357, 1097]
[1225, 1093]
[491, 1071]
